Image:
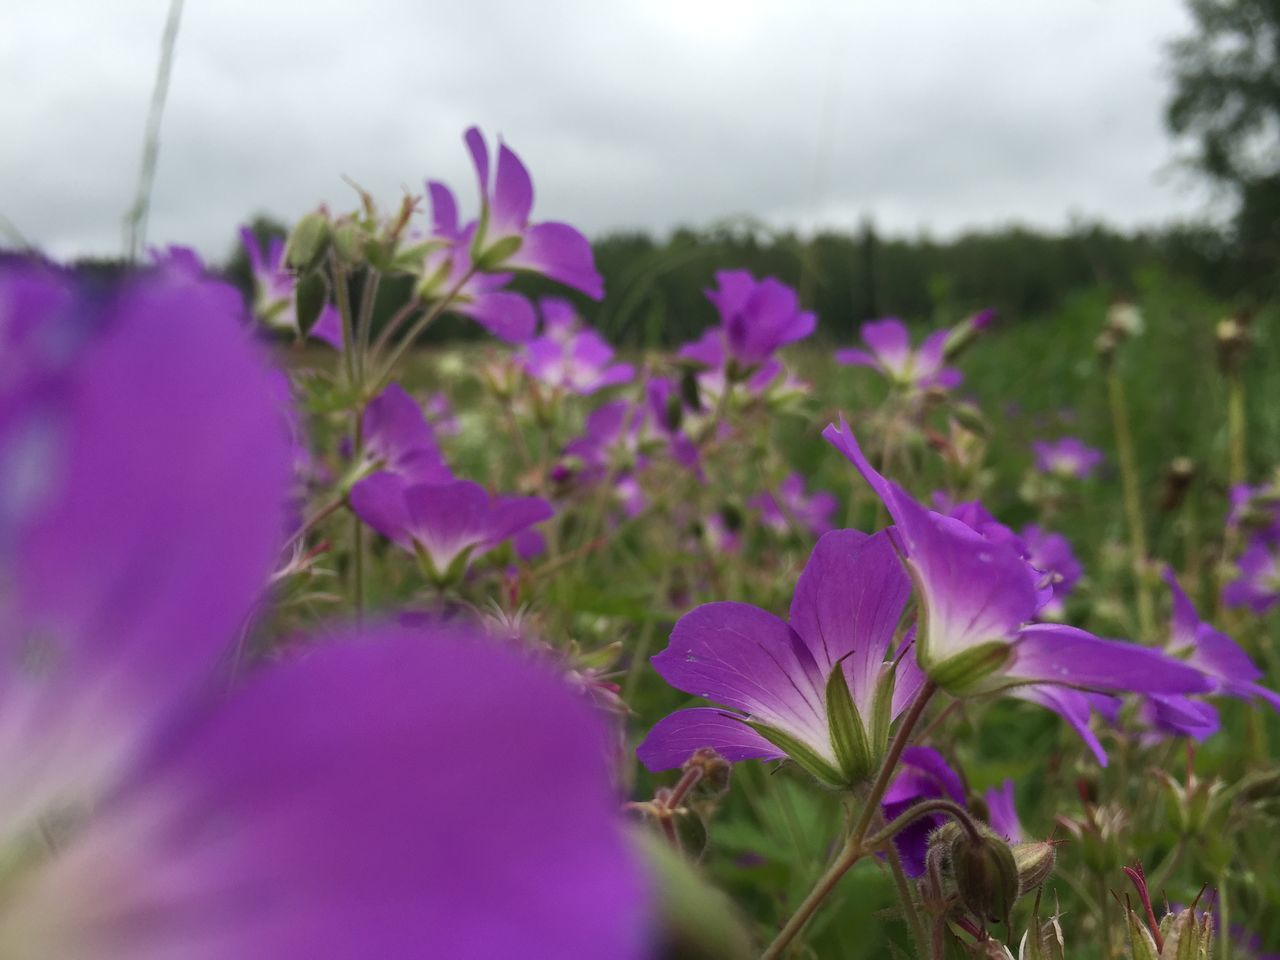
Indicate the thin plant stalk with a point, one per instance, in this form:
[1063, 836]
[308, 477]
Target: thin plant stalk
[1132, 501]
[853, 848]
[1236, 429]
[919, 935]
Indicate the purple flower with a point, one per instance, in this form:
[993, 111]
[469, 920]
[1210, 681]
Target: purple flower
[275, 288]
[1256, 511]
[1051, 554]
[811, 513]
[776, 679]
[713, 361]
[889, 351]
[1257, 584]
[923, 774]
[1228, 668]
[1002, 814]
[446, 525]
[398, 439]
[757, 316]
[292, 815]
[440, 412]
[576, 362]
[1068, 457]
[449, 268]
[506, 239]
[978, 598]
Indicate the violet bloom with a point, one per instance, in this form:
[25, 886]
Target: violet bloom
[289, 815]
[757, 317]
[777, 679]
[576, 362]
[922, 774]
[714, 374]
[448, 269]
[1255, 511]
[505, 239]
[889, 350]
[441, 415]
[398, 439]
[446, 525]
[1257, 584]
[275, 289]
[811, 513]
[978, 598]
[1228, 668]
[1002, 814]
[1068, 457]
[1052, 555]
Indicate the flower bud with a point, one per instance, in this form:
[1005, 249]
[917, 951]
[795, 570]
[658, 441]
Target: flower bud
[986, 874]
[1233, 344]
[1124, 320]
[1035, 861]
[716, 772]
[1178, 475]
[1186, 935]
[308, 241]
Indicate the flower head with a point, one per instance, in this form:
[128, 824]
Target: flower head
[978, 598]
[1257, 582]
[573, 361]
[399, 440]
[794, 689]
[757, 316]
[1052, 555]
[445, 524]
[505, 239]
[1068, 457]
[889, 351]
[791, 504]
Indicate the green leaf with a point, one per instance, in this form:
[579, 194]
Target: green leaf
[805, 756]
[848, 733]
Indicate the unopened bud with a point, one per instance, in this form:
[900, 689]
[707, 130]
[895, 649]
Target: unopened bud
[308, 241]
[1178, 475]
[716, 772]
[1124, 320]
[1105, 345]
[1035, 861]
[349, 241]
[986, 874]
[1233, 344]
[1186, 935]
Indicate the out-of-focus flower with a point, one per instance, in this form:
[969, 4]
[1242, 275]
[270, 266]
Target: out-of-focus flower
[923, 774]
[275, 292]
[445, 525]
[1067, 457]
[714, 374]
[889, 351]
[574, 361]
[441, 415]
[978, 599]
[757, 317]
[1002, 814]
[807, 689]
[399, 440]
[1255, 511]
[1257, 584]
[505, 239]
[1213, 653]
[159, 814]
[792, 504]
[1051, 554]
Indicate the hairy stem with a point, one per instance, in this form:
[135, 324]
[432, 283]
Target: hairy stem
[1132, 502]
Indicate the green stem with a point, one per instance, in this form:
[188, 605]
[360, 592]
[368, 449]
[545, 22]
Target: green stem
[1132, 502]
[853, 849]
[1236, 428]
[416, 330]
[357, 530]
[342, 293]
[919, 935]
[364, 323]
[880, 839]
[1224, 919]
[1104, 903]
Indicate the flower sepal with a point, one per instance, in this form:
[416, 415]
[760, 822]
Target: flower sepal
[849, 737]
[803, 755]
[977, 669]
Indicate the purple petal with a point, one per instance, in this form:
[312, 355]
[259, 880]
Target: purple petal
[144, 468]
[508, 316]
[923, 774]
[745, 658]
[889, 343]
[479, 159]
[1058, 654]
[558, 251]
[856, 358]
[512, 194]
[675, 737]
[444, 210]
[349, 804]
[328, 328]
[397, 433]
[1072, 705]
[378, 500]
[1002, 812]
[847, 605]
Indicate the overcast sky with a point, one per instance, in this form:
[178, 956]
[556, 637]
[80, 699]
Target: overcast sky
[941, 115]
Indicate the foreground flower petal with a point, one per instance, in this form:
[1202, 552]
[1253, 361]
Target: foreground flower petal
[162, 462]
[363, 801]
